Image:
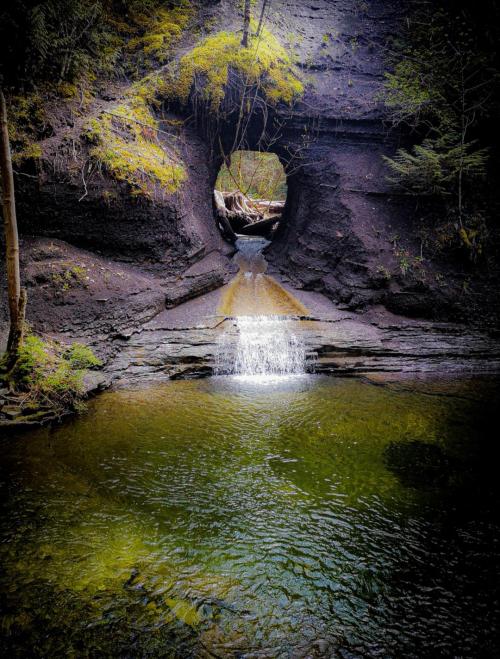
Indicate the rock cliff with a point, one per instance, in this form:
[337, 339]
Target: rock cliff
[346, 233]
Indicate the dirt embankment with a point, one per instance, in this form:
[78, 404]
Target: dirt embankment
[99, 261]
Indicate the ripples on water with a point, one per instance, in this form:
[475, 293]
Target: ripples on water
[221, 518]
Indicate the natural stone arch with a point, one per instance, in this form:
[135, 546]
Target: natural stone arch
[250, 194]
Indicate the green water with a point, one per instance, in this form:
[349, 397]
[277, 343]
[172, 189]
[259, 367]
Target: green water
[312, 517]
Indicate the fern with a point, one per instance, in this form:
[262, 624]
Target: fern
[433, 166]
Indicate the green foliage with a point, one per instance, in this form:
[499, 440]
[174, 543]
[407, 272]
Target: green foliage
[72, 277]
[50, 373]
[442, 86]
[471, 237]
[63, 40]
[409, 264]
[81, 356]
[409, 95]
[63, 46]
[60, 38]
[440, 74]
[433, 166]
[404, 259]
[256, 174]
[162, 30]
[265, 63]
[127, 142]
[33, 358]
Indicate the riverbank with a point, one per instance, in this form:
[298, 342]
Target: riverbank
[184, 341]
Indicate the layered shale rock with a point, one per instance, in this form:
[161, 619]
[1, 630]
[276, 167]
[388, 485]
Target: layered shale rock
[345, 233]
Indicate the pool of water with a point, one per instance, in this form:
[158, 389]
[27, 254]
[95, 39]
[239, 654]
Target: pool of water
[306, 517]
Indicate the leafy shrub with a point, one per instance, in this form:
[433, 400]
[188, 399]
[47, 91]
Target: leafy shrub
[442, 86]
[81, 356]
[257, 174]
[72, 277]
[434, 166]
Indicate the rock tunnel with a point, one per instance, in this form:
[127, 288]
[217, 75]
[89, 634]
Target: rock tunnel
[338, 223]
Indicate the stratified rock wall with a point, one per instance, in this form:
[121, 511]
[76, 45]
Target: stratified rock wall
[346, 233]
[91, 210]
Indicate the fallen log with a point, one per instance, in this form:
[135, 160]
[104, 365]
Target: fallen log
[237, 203]
[260, 228]
[247, 216]
[222, 216]
[268, 207]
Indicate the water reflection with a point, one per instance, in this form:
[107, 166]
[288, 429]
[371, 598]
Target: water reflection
[223, 517]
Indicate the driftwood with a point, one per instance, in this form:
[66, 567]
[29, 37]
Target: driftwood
[268, 207]
[247, 216]
[237, 203]
[261, 228]
[222, 216]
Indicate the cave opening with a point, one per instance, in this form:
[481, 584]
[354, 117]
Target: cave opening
[250, 195]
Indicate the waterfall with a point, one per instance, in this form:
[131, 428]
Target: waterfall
[261, 336]
[263, 346]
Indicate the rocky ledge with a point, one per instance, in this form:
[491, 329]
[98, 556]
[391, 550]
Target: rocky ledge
[184, 343]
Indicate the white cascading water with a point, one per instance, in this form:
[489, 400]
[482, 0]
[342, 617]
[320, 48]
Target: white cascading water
[264, 346]
[259, 340]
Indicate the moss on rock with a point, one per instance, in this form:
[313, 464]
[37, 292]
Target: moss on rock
[264, 63]
[49, 374]
[126, 142]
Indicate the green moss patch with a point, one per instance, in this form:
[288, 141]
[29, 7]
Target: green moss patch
[128, 38]
[126, 141]
[51, 374]
[264, 63]
[27, 118]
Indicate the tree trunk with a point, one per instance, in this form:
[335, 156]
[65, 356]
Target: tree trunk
[246, 24]
[462, 143]
[265, 4]
[17, 298]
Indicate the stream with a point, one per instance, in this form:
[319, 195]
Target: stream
[268, 342]
[222, 517]
[263, 512]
